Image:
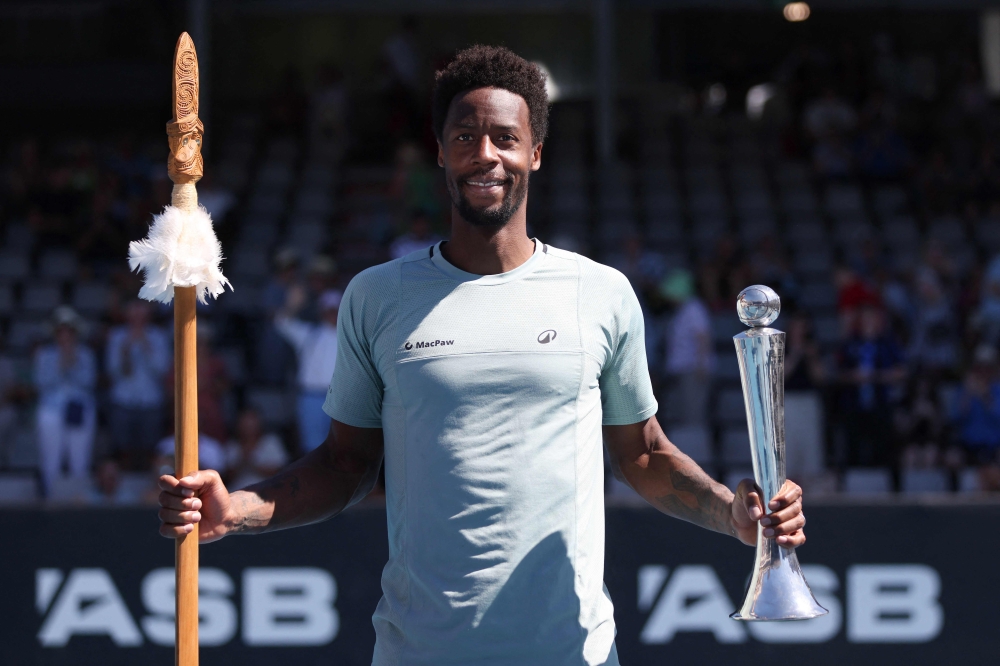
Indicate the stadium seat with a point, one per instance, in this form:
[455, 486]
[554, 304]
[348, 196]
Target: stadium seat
[924, 481]
[988, 234]
[729, 407]
[901, 232]
[867, 481]
[243, 300]
[708, 201]
[813, 262]
[753, 201]
[267, 203]
[19, 238]
[253, 263]
[818, 296]
[664, 231]
[805, 232]
[852, 232]
[57, 265]
[282, 150]
[91, 298]
[6, 299]
[314, 202]
[798, 202]
[259, 232]
[318, 176]
[889, 200]
[18, 488]
[69, 490]
[694, 440]
[792, 173]
[14, 265]
[948, 231]
[735, 446]
[969, 480]
[23, 333]
[41, 298]
[841, 199]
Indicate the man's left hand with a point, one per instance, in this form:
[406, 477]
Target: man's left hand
[786, 522]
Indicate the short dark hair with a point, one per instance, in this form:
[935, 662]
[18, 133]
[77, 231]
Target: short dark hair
[481, 66]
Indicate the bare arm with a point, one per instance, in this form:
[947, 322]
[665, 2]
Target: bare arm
[643, 457]
[321, 484]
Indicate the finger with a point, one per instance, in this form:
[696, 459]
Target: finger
[751, 499]
[777, 517]
[171, 517]
[789, 492]
[786, 528]
[178, 503]
[193, 483]
[175, 531]
[793, 540]
[169, 483]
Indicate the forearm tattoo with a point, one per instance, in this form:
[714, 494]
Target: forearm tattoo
[691, 494]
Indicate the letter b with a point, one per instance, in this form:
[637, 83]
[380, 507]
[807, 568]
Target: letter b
[289, 606]
[893, 603]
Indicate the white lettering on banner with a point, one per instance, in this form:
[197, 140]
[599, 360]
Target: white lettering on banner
[89, 604]
[217, 621]
[823, 582]
[694, 600]
[893, 603]
[289, 606]
[47, 582]
[651, 579]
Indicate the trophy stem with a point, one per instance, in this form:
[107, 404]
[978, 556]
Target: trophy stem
[777, 589]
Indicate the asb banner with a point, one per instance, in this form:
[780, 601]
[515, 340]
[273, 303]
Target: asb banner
[904, 585]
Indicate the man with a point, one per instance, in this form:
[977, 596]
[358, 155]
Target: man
[137, 359]
[316, 348]
[483, 368]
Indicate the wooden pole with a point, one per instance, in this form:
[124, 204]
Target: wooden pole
[186, 452]
[184, 167]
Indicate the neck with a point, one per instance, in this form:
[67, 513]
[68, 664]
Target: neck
[488, 251]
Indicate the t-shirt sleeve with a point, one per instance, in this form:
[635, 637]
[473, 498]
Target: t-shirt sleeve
[355, 394]
[626, 391]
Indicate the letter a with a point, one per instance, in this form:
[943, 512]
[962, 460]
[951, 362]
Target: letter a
[693, 601]
[89, 605]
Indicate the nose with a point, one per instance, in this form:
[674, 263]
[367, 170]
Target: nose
[486, 152]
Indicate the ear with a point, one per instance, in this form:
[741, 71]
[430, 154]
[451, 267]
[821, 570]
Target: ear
[536, 157]
[440, 154]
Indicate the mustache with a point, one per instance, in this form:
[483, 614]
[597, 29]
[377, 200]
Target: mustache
[487, 175]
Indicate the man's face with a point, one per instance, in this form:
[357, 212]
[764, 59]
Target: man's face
[487, 153]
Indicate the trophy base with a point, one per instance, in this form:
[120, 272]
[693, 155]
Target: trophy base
[778, 591]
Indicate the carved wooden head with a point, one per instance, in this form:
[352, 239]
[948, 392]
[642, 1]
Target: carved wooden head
[184, 131]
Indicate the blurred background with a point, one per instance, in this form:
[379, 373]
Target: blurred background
[845, 153]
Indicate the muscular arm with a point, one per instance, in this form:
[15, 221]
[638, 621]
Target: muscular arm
[321, 484]
[318, 486]
[643, 457]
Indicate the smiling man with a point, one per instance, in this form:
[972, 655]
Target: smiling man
[484, 369]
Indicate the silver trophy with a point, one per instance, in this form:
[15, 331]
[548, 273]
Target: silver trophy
[777, 590]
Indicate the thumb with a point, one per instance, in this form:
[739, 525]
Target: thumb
[197, 482]
[749, 496]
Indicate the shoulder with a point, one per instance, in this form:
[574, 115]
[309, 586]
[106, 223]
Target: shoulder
[375, 281]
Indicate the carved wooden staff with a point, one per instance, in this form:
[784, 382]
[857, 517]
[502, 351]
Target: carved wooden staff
[180, 258]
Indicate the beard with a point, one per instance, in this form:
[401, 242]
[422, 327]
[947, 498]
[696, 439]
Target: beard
[494, 217]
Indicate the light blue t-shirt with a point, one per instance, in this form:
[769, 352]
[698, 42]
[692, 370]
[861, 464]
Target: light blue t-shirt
[491, 391]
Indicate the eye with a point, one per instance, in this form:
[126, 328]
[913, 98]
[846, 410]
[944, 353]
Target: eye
[465, 137]
[506, 138]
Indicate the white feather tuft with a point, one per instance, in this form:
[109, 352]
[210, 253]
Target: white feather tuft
[181, 250]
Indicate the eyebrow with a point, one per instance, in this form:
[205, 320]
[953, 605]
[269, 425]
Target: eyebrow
[472, 124]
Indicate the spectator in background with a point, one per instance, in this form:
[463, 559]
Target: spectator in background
[935, 342]
[987, 319]
[328, 112]
[65, 377]
[920, 423]
[978, 408]
[805, 376]
[419, 236]
[871, 367]
[316, 348]
[274, 356]
[829, 115]
[10, 392]
[211, 455]
[253, 455]
[108, 489]
[690, 358]
[321, 276]
[136, 361]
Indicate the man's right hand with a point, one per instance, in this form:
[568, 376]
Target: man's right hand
[197, 501]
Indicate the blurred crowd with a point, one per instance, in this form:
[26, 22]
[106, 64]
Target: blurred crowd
[862, 185]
